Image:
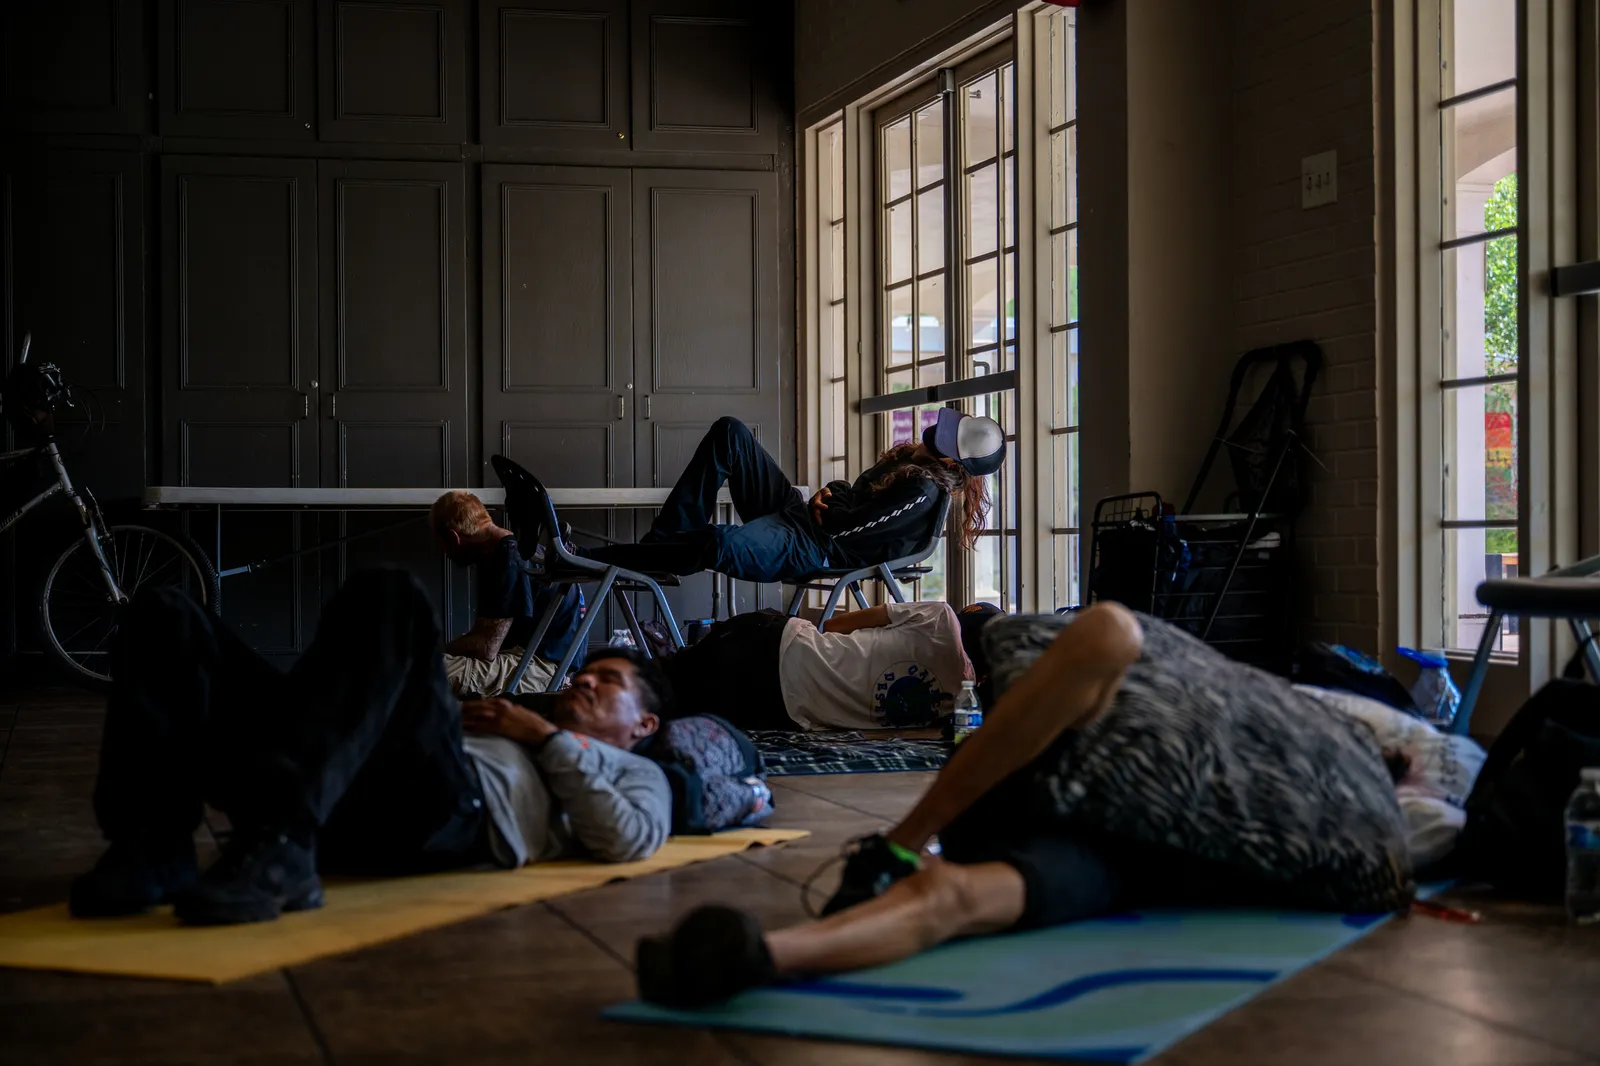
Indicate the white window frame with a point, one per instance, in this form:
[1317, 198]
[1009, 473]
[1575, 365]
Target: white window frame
[1547, 415]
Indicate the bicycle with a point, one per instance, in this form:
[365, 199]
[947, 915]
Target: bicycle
[92, 578]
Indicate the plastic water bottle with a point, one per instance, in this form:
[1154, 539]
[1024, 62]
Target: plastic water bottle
[968, 713]
[622, 638]
[1435, 692]
[1583, 849]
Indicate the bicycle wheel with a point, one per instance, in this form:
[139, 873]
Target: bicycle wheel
[79, 615]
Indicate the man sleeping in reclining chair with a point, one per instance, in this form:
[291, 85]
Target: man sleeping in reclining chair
[883, 516]
[1123, 764]
[358, 759]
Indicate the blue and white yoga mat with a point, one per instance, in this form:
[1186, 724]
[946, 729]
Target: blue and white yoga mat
[1117, 989]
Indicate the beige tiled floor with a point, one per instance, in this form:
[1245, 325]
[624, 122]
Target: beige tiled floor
[526, 985]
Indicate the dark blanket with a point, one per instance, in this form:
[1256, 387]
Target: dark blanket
[845, 752]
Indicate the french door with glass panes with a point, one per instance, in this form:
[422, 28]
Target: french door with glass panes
[945, 193]
[1509, 390]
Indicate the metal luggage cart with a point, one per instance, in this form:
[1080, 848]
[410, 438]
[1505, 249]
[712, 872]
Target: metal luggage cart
[1227, 578]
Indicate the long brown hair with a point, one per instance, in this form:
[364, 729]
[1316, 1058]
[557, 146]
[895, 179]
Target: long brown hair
[969, 494]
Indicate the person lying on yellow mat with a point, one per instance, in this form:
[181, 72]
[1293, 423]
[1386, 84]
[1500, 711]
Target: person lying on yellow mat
[358, 759]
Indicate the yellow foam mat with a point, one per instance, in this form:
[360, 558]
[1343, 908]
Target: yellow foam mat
[358, 914]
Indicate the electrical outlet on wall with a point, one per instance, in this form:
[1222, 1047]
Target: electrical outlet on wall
[1319, 179]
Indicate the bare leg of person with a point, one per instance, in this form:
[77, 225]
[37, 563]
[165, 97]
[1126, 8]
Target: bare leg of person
[1072, 682]
[716, 952]
[941, 901]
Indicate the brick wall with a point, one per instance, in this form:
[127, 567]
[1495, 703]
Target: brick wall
[1303, 83]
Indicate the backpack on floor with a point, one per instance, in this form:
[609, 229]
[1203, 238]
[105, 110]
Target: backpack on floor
[714, 771]
[1334, 666]
[1515, 833]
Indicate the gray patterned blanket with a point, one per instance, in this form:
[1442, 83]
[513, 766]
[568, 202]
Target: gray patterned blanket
[1227, 763]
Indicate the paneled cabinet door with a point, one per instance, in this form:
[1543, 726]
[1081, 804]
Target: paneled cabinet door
[237, 68]
[393, 70]
[238, 367]
[709, 75]
[239, 321]
[77, 223]
[558, 391]
[553, 73]
[706, 321]
[73, 66]
[392, 390]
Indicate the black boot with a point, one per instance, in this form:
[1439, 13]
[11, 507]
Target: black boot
[133, 876]
[262, 873]
[713, 954]
[872, 866]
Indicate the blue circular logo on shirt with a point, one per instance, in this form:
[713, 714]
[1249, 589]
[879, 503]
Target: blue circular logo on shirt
[907, 695]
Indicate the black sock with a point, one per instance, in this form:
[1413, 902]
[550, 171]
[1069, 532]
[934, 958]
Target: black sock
[713, 954]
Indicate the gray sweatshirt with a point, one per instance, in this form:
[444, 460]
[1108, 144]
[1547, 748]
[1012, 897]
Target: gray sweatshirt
[576, 796]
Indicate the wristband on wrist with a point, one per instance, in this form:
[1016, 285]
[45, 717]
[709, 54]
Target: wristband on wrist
[905, 855]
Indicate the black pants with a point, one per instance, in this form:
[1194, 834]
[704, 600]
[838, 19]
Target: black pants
[733, 671]
[777, 541]
[1069, 873]
[359, 743]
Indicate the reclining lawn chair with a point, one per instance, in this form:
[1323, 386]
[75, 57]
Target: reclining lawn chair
[1572, 592]
[835, 580]
[532, 518]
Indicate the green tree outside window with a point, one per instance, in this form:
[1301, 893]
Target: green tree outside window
[1500, 344]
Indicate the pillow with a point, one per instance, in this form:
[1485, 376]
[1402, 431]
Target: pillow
[1443, 763]
[1228, 764]
[714, 771]
[1433, 825]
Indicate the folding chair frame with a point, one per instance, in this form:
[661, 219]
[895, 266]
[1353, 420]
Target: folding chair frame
[563, 569]
[1570, 592]
[835, 582]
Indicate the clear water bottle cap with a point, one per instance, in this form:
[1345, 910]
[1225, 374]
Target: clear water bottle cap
[974, 684]
[1590, 775]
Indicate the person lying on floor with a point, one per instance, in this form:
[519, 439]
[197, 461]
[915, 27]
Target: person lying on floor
[355, 760]
[484, 658]
[896, 666]
[884, 515]
[1124, 764]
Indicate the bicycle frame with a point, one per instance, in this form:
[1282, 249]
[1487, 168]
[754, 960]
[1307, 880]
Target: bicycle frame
[85, 515]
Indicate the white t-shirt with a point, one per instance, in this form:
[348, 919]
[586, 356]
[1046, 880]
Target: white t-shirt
[899, 676]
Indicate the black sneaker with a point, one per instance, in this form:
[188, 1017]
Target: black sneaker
[871, 867]
[713, 954]
[133, 876]
[261, 874]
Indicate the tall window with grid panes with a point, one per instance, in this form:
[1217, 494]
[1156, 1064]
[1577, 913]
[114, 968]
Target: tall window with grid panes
[1058, 364]
[913, 200]
[989, 304]
[1472, 131]
[830, 307]
[941, 232]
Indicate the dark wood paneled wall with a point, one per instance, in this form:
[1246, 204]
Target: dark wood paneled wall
[362, 243]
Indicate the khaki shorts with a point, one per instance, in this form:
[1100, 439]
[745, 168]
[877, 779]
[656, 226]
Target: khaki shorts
[468, 674]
